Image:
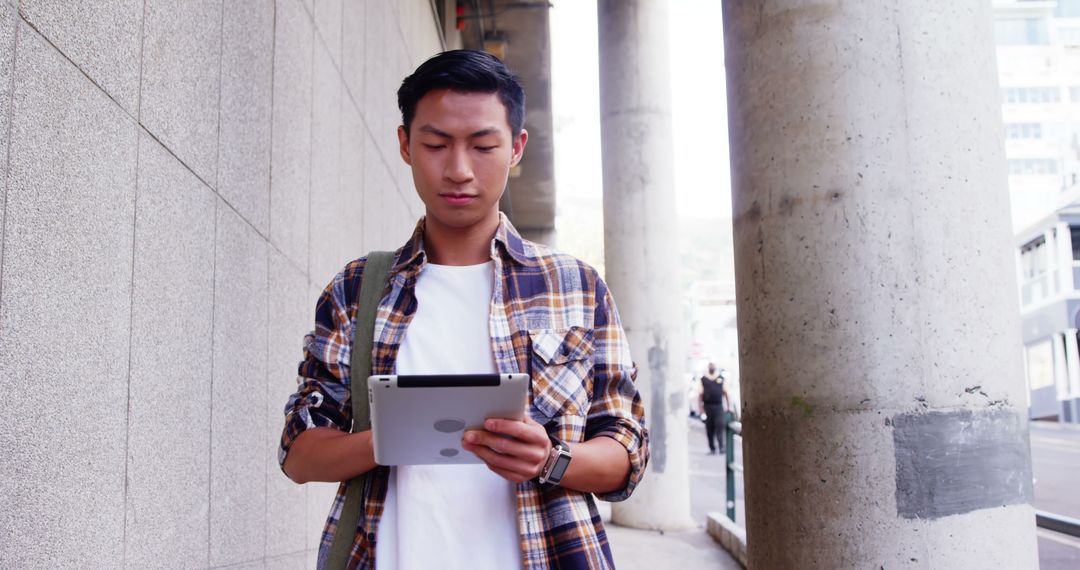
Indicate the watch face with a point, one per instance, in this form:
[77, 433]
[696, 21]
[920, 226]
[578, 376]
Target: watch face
[559, 468]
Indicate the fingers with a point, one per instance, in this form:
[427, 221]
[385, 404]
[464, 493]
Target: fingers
[527, 431]
[506, 466]
[515, 450]
[504, 447]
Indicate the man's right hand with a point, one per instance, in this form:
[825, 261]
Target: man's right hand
[328, 454]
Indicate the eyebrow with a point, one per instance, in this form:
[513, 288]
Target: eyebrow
[446, 135]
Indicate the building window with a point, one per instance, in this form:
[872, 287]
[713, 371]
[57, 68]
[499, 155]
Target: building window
[1031, 95]
[1067, 9]
[1033, 258]
[1020, 32]
[1040, 360]
[1074, 233]
[1032, 166]
[1023, 130]
[1068, 36]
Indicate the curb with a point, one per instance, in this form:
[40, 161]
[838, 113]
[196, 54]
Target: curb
[731, 536]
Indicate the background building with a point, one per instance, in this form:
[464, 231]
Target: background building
[1038, 44]
[1038, 55]
[1048, 262]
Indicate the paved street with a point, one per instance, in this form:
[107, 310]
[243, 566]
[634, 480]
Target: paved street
[1055, 455]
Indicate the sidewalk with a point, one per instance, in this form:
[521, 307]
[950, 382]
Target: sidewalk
[688, 550]
[648, 550]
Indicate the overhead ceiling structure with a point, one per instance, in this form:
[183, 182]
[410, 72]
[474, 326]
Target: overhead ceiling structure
[517, 33]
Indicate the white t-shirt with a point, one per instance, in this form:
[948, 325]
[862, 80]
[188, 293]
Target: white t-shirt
[449, 516]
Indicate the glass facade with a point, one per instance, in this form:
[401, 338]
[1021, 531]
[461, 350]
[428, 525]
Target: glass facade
[1021, 31]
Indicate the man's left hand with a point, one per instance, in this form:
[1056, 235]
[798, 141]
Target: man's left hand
[516, 450]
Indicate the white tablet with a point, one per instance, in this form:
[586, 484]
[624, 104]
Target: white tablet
[420, 420]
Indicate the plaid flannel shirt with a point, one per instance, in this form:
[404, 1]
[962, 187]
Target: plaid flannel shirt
[553, 317]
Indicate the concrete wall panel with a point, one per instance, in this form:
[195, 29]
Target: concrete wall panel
[378, 191]
[296, 561]
[171, 358]
[246, 98]
[65, 316]
[320, 497]
[290, 170]
[8, 25]
[387, 138]
[337, 220]
[326, 133]
[327, 16]
[419, 30]
[354, 53]
[101, 38]
[158, 227]
[350, 240]
[238, 425]
[180, 82]
[290, 319]
[381, 79]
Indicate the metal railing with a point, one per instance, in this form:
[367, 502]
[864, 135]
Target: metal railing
[1057, 523]
[734, 428]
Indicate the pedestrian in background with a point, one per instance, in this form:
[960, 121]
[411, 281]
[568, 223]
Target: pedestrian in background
[712, 401]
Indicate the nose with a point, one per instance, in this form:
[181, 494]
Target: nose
[458, 168]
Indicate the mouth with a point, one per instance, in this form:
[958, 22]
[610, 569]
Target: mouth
[455, 199]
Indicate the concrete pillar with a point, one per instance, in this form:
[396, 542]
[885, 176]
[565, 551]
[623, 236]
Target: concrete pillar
[1053, 263]
[1064, 258]
[878, 329]
[1072, 362]
[1061, 366]
[640, 247]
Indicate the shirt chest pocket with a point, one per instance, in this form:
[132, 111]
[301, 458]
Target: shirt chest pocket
[561, 371]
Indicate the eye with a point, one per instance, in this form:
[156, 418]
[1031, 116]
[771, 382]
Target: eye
[486, 148]
[434, 146]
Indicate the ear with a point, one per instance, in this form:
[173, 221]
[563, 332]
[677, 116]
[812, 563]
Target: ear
[518, 148]
[403, 144]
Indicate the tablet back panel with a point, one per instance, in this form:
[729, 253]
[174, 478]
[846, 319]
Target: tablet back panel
[420, 420]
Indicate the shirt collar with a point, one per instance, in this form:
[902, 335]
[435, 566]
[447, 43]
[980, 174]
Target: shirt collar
[506, 239]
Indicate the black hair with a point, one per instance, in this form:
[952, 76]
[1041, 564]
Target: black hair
[464, 71]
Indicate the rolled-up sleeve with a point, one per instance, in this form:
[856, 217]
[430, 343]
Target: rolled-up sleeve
[322, 397]
[616, 410]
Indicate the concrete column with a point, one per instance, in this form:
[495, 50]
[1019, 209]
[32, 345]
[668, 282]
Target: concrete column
[1072, 363]
[1064, 258]
[1061, 366]
[640, 247]
[878, 332]
[1053, 263]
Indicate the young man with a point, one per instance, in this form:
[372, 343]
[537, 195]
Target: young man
[468, 295]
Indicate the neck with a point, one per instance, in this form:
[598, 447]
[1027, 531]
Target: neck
[445, 245]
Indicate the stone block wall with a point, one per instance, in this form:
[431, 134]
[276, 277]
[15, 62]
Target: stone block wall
[181, 181]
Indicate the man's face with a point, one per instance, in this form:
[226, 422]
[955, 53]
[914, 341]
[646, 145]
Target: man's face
[461, 149]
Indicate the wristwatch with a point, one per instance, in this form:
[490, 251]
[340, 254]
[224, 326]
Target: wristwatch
[557, 462]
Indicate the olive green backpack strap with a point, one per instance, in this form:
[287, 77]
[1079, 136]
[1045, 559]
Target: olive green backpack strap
[376, 273]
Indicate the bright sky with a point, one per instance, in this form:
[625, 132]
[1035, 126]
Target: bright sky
[698, 98]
